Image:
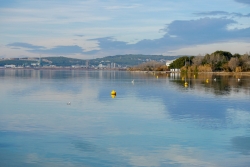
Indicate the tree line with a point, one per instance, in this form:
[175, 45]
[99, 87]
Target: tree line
[217, 61]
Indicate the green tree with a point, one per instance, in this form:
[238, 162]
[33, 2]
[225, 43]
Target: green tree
[217, 59]
[180, 62]
[226, 54]
[237, 55]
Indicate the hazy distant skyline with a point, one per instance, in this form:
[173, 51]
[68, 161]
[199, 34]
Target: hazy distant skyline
[94, 28]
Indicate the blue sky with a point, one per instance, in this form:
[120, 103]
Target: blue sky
[94, 28]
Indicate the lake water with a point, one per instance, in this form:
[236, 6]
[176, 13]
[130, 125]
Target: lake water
[151, 122]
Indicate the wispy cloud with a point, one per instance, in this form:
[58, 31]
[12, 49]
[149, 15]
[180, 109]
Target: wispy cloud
[181, 33]
[80, 35]
[62, 50]
[25, 45]
[211, 13]
[221, 13]
[243, 1]
[178, 34]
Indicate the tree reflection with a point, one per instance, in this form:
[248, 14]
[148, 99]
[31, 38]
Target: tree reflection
[218, 84]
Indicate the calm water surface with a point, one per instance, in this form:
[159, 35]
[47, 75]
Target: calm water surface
[153, 122]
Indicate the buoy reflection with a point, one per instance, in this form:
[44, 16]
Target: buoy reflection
[186, 84]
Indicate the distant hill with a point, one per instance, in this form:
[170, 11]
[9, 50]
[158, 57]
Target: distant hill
[62, 61]
[122, 60]
[131, 59]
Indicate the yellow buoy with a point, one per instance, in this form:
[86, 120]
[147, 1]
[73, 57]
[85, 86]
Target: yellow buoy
[113, 92]
[207, 80]
[194, 76]
[157, 76]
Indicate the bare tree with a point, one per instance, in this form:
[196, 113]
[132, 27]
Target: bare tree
[197, 60]
[233, 63]
[245, 62]
[148, 66]
[215, 60]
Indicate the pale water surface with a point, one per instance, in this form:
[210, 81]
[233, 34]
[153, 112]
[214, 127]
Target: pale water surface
[153, 122]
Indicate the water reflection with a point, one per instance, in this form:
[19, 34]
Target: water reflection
[153, 122]
[214, 83]
[241, 144]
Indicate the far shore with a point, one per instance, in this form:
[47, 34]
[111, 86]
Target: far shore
[64, 68]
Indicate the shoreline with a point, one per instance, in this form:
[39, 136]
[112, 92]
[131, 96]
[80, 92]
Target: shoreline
[146, 72]
[64, 68]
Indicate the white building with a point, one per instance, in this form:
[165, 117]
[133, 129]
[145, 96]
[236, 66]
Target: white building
[10, 66]
[35, 64]
[112, 65]
[175, 70]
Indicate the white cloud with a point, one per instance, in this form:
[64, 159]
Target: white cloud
[32, 22]
[233, 47]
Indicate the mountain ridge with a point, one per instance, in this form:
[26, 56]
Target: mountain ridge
[121, 60]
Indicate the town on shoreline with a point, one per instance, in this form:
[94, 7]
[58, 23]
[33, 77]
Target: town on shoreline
[121, 62]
